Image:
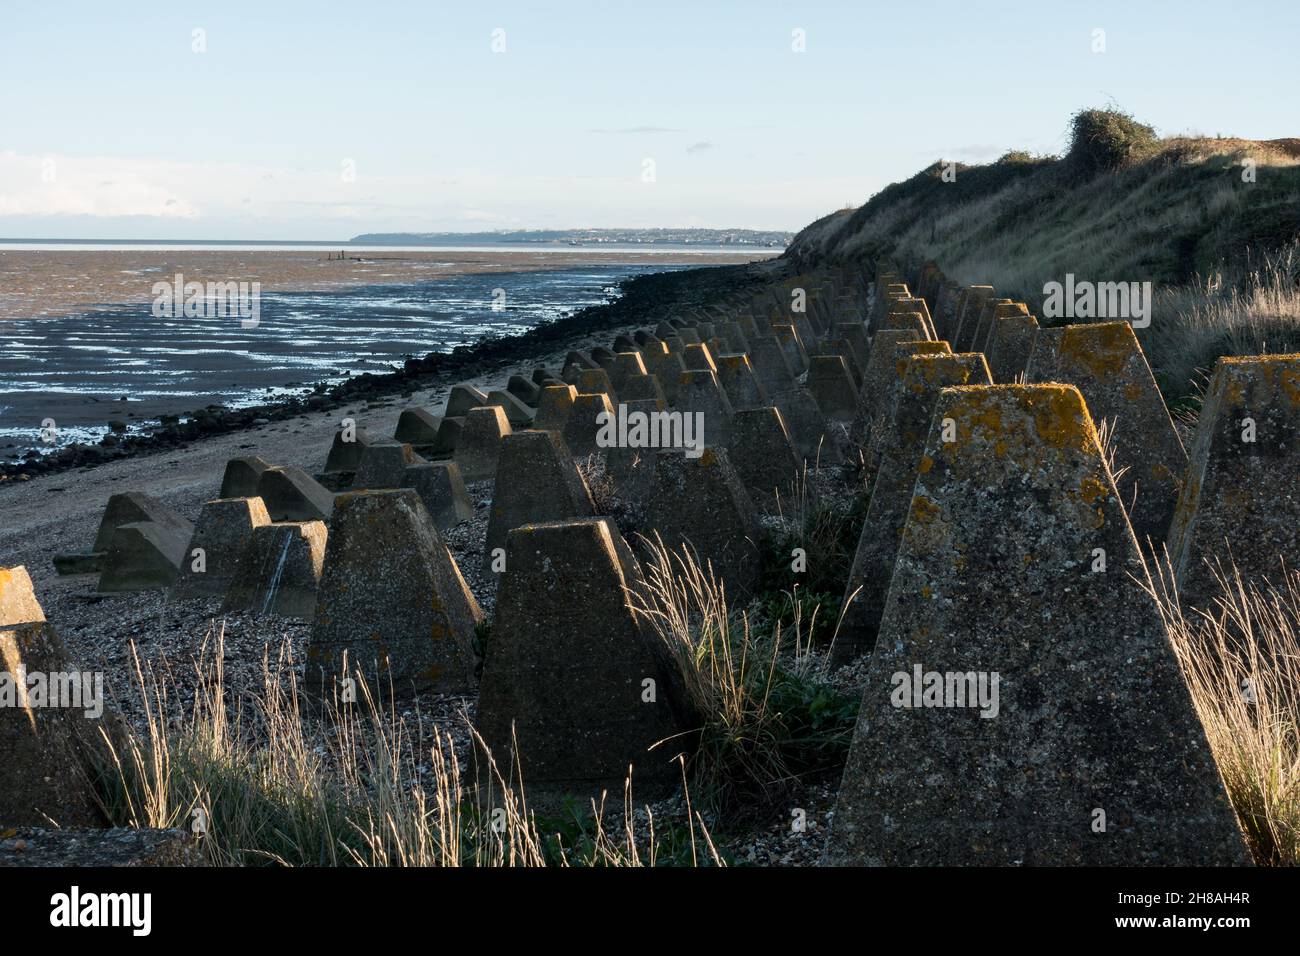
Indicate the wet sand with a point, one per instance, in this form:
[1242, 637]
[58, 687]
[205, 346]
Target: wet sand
[80, 348]
[61, 512]
[58, 282]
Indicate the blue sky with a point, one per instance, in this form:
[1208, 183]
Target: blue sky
[320, 120]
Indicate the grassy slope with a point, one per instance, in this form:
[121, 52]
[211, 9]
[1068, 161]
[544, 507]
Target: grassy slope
[1179, 216]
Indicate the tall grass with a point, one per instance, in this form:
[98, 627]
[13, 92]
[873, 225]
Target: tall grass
[1241, 661]
[768, 715]
[266, 780]
[1250, 309]
[825, 530]
[1181, 213]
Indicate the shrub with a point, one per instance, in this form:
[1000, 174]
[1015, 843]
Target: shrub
[1016, 156]
[826, 530]
[1108, 140]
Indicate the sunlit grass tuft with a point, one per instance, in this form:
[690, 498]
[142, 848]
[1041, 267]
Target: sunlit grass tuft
[1241, 661]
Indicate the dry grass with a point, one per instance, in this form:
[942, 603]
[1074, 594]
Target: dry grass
[1181, 213]
[767, 715]
[600, 483]
[269, 781]
[1253, 309]
[1249, 308]
[727, 678]
[1241, 661]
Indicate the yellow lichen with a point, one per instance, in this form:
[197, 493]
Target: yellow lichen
[1102, 349]
[1060, 417]
[924, 510]
[1092, 488]
[1289, 379]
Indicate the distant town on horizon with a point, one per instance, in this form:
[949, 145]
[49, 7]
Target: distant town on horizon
[761, 238]
[582, 237]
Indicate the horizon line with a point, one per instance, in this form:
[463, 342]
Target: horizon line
[354, 240]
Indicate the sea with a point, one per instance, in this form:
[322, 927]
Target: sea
[62, 378]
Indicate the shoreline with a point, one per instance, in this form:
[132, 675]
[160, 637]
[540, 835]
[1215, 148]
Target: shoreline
[639, 298]
[46, 283]
[120, 369]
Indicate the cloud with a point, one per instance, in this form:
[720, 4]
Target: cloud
[370, 202]
[699, 147]
[66, 186]
[636, 130]
[112, 187]
[207, 198]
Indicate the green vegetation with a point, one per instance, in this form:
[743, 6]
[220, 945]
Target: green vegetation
[768, 715]
[1211, 222]
[1108, 140]
[808, 592]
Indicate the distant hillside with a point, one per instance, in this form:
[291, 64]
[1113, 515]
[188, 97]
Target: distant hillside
[583, 237]
[1212, 223]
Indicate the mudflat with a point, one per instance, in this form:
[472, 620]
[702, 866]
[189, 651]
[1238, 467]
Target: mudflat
[49, 282]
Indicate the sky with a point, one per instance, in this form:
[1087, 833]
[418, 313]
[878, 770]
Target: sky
[320, 120]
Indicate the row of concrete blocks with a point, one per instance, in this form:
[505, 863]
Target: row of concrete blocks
[1014, 507]
[1231, 503]
[261, 542]
[142, 544]
[1161, 487]
[387, 598]
[1104, 360]
[700, 365]
[736, 408]
[986, 497]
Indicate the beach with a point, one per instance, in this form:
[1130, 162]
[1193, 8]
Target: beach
[58, 281]
[81, 366]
